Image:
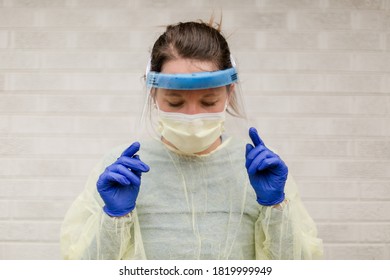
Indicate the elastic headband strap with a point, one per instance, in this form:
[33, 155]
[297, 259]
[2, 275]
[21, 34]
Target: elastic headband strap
[190, 81]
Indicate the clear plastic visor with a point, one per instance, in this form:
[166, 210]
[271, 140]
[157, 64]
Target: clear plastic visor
[201, 83]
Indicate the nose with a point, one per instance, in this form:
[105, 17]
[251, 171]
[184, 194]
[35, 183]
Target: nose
[192, 105]
[192, 109]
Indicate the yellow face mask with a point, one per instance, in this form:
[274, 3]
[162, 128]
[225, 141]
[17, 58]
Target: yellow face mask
[191, 134]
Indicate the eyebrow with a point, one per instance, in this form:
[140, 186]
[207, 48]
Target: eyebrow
[174, 94]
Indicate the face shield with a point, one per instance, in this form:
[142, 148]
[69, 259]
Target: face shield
[193, 131]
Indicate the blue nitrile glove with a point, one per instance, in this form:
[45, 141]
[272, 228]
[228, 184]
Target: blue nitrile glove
[267, 171]
[119, 184]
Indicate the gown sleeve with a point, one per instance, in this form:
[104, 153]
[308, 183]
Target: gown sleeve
[87, 232]
[287, 231]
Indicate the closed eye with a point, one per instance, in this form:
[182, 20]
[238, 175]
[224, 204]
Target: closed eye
[209, 104]
[175, 104]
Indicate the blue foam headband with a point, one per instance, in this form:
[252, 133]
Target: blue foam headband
[197, 80]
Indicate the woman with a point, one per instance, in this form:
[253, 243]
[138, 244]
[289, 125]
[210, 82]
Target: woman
[198, 192]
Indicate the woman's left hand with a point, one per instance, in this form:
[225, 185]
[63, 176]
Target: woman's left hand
[267, 171]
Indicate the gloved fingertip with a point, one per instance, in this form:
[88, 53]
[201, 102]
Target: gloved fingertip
[252, 131]
[136, 143]
[248, 148]
[254, 135]
[131, 150]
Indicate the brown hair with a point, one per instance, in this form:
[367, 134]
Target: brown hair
[195, 40]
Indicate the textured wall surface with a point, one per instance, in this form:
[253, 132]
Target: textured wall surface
[315, 74]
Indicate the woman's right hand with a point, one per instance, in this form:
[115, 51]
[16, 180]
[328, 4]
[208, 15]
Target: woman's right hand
[119, 184]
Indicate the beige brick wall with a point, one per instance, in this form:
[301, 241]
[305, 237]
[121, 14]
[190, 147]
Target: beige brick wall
[316, 75]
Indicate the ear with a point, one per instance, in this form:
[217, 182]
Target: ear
[232, 87]
[153, 99]
[230, 91]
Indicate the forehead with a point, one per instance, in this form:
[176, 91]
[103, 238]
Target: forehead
[193, 94]
[184, 65]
